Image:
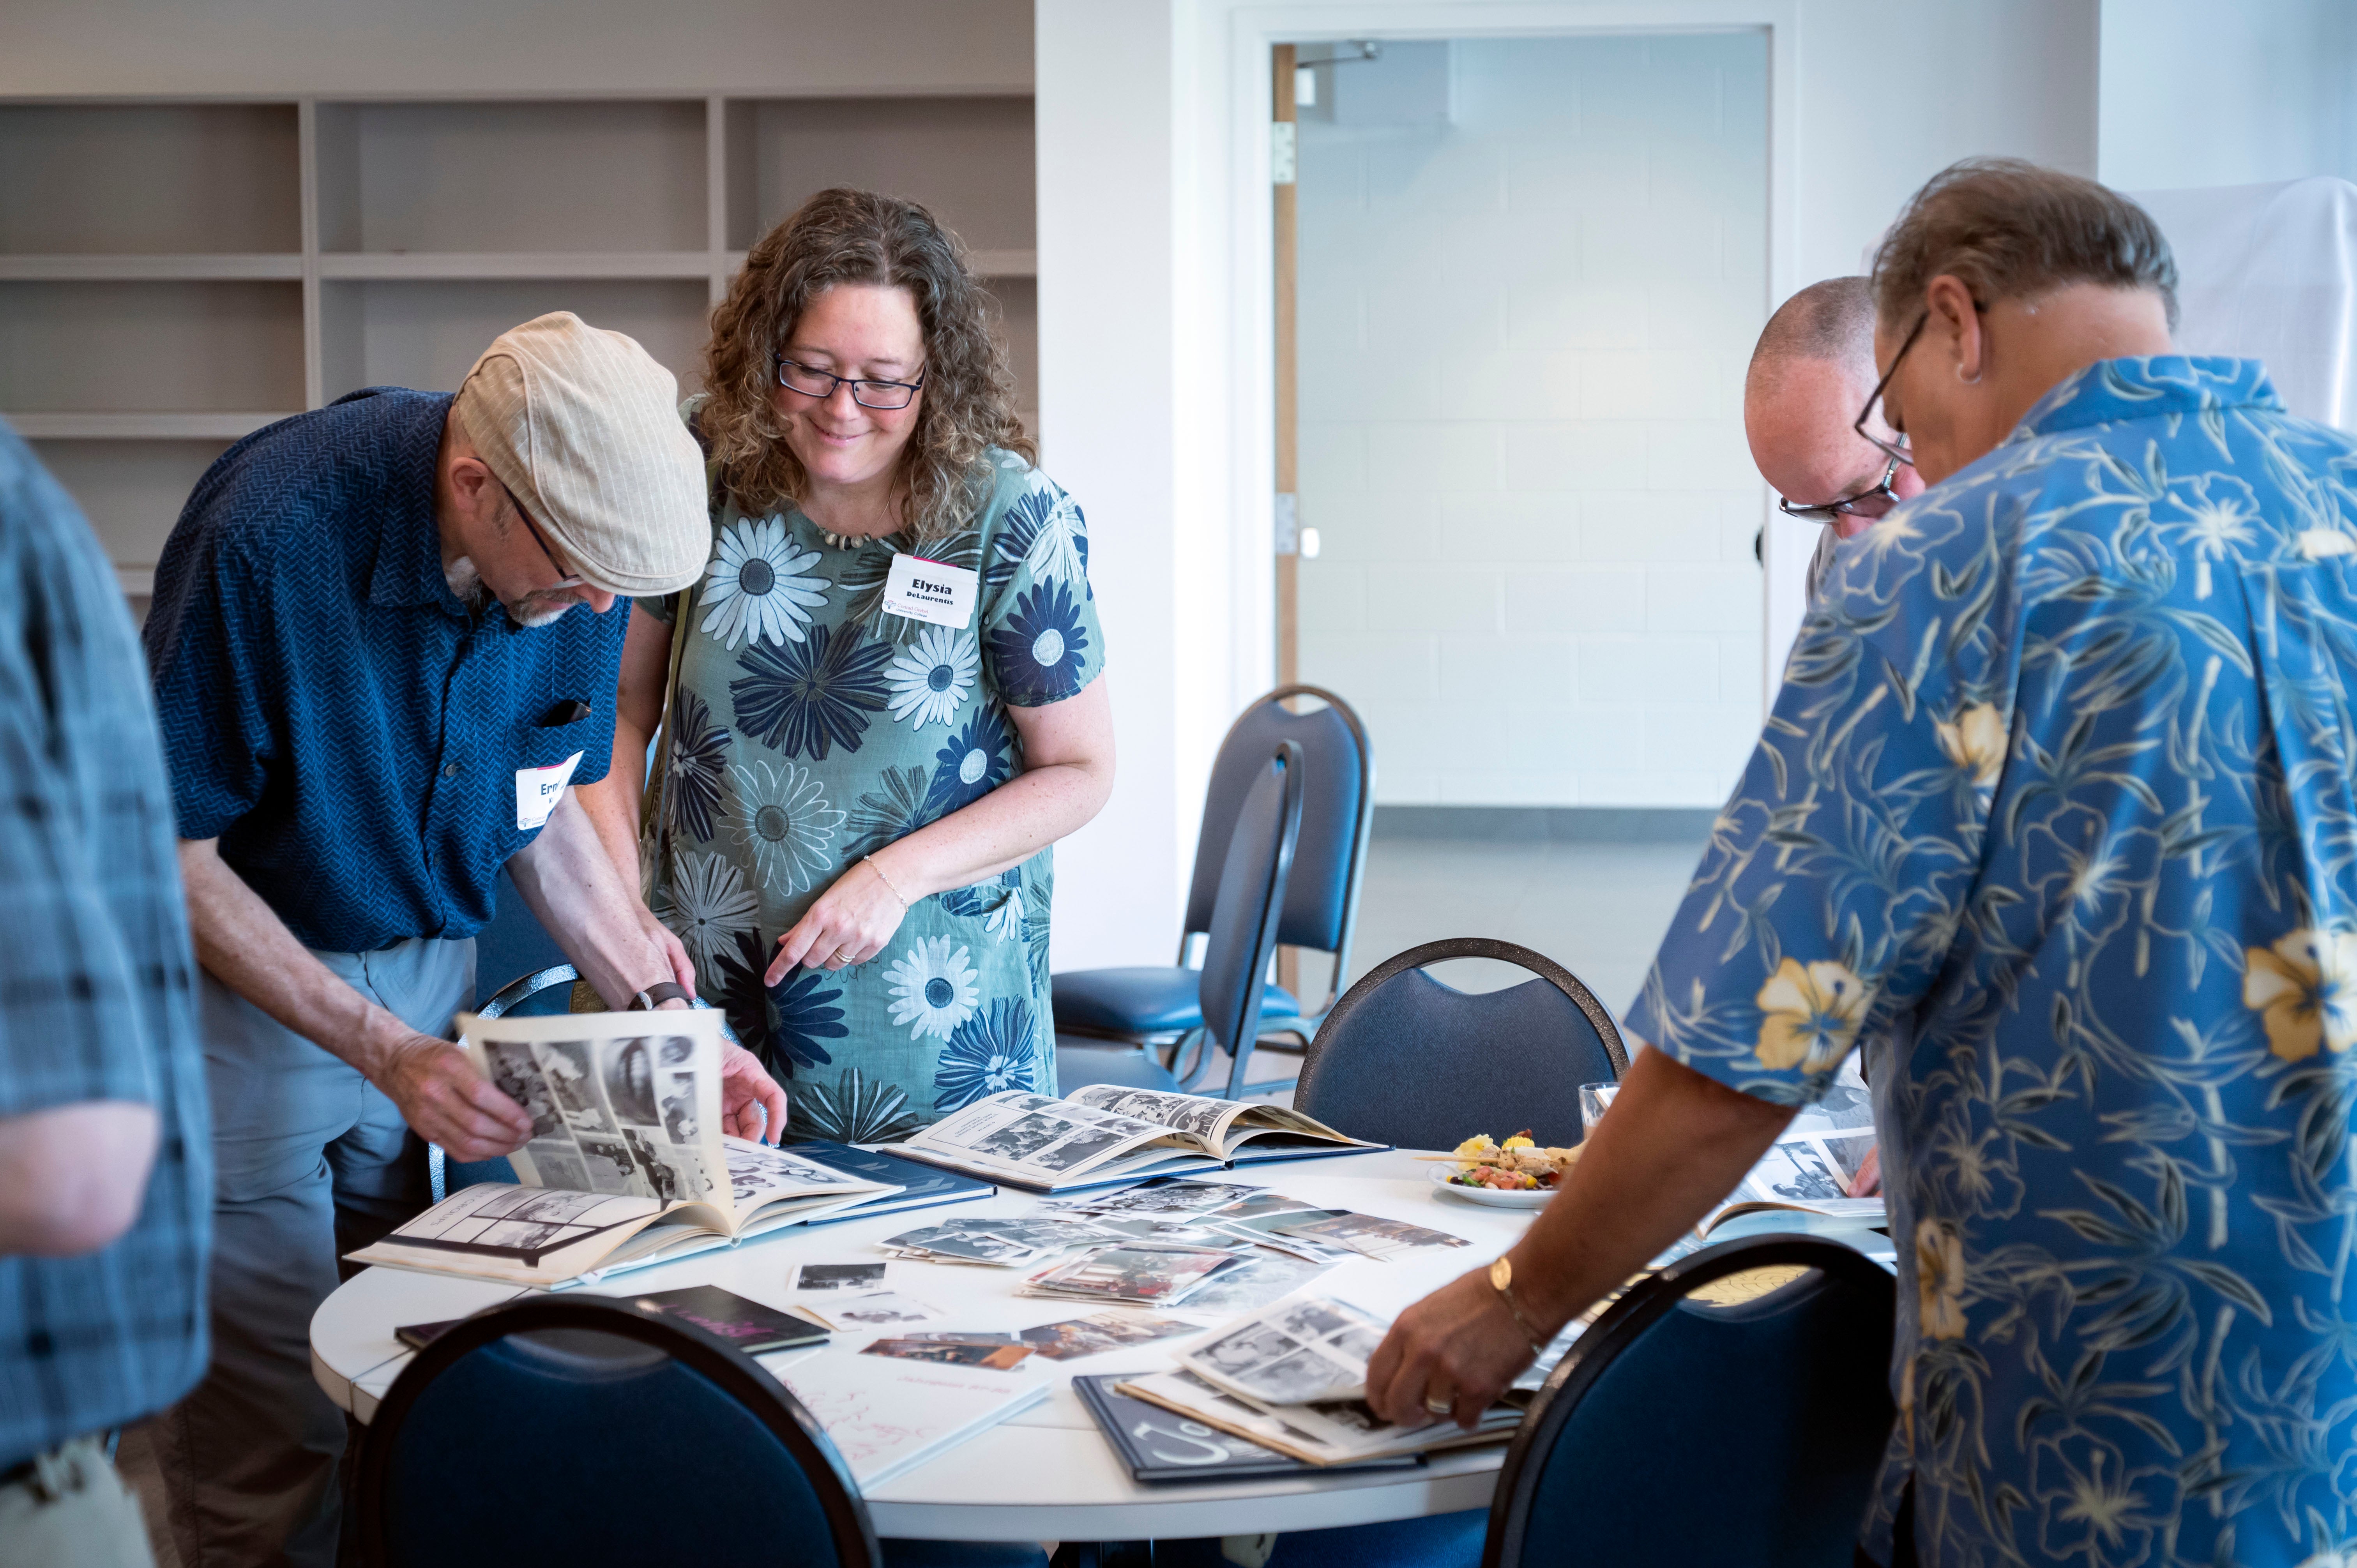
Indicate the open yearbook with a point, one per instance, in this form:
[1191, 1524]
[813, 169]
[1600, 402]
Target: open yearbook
[1293, 1378]
[626, 1166]
[1105, 1135]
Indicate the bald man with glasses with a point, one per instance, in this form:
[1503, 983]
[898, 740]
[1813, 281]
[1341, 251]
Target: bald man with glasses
[1811, 372]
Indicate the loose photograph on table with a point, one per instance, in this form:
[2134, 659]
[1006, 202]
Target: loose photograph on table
[952, 1352]
[838, 1277]
[1100, 1332]
[879, 1308]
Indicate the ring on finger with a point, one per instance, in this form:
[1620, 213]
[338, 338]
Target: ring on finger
[1436, 1405]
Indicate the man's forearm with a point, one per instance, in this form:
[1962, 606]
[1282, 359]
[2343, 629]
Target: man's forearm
[568, 877]
[612, 803]
[242, 943]
[1675, 1144]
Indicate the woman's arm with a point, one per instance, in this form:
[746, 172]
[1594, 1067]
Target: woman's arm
[612, 803]
[1067, 775]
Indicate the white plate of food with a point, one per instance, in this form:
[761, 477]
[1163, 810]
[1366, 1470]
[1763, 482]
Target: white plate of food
[1445, 1178]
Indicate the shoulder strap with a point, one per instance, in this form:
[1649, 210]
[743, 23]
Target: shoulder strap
[654, 820]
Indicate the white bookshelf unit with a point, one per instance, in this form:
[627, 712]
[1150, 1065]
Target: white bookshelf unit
[176, 273]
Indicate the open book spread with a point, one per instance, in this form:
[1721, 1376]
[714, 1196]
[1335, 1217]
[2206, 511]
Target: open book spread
[627, 1165]
[1293, 1378]
[1106, 1132]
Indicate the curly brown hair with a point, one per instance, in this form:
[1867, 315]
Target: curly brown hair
[845, 236]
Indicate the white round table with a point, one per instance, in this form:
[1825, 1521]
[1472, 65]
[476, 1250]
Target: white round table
[1048, 1474]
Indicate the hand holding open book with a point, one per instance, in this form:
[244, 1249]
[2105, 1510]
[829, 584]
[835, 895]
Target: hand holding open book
[627, 1164]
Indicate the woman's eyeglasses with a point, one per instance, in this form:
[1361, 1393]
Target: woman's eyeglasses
[1873, 502]
[811, 381]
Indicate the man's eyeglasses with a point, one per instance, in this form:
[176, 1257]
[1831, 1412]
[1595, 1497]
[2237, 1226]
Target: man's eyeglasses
[811, 381]
[1895, 450]
[570, 580]
[1873, 502]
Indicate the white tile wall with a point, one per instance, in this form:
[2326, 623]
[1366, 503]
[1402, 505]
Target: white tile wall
[1523, 338]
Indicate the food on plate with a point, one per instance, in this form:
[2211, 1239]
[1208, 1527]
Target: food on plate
[1518, 1165]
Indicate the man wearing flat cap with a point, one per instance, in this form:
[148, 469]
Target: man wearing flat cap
[376, 680]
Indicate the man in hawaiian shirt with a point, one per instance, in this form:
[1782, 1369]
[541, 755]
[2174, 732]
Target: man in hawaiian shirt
[2060, 790]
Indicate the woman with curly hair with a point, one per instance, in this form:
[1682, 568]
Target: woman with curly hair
[882, 703]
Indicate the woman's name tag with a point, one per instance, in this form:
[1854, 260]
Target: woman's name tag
[929, 591]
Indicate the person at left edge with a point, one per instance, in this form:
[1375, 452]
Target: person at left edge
[375, 629]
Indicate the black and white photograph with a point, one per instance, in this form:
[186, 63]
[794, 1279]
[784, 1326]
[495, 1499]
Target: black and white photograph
[1022, 1137]
[838, 1276]
[1297, 1378]
[1375, 1237]
[1167, 1197]
[1179, 1112]
[1258, 1280]
[674, 1051]
[1094, 1335]
[611, 1166]
[1237, 1353]
[566, 1063]
[516, 1075]
[627, 1070]
[1354, 1415]
[881, 1307]
[519, 1234]
[1083, 1146]
[976, 1247]
[1796, 1171]
[1313, 1319]
[679, 1107]
[1849, 1153]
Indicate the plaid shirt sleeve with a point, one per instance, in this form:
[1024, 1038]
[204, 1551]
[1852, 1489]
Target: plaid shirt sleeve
[95, 972]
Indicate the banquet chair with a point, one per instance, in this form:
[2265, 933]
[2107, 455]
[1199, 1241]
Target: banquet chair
[1159, 1005]
[1407, 1060]
[589, 1432]
[1243, 928]
[1676, 1430]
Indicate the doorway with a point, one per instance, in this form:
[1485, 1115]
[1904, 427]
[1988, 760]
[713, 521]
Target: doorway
[1527, 276]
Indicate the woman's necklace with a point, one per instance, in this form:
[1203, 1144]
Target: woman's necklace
[847, 541]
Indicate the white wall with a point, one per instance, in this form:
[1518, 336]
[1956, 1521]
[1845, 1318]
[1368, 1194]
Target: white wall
[1522, 336]
[2196, 92]
[1153, 146]
[57, 47]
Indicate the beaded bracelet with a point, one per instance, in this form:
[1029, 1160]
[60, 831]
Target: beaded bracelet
[869, 861]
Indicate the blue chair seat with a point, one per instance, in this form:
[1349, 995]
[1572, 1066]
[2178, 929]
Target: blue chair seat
[1154, 1000]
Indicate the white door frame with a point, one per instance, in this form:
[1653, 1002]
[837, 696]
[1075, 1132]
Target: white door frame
[1223, 177]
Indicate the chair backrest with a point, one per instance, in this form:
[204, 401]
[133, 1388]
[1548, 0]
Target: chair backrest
[1337, 812]
[1677, 1432]
[588, 1431]
[1405, 1058]
[1246, 916]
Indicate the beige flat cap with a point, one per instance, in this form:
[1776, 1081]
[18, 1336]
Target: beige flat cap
[582, 426]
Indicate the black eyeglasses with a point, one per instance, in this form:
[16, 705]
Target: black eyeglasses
[1896, 450]
[1873, 502]
[569, 579]
[811, 381]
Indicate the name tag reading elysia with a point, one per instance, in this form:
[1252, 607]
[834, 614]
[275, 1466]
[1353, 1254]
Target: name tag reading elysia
[930, 591]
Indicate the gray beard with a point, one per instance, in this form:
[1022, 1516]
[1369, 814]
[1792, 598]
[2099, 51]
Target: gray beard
[466, 584]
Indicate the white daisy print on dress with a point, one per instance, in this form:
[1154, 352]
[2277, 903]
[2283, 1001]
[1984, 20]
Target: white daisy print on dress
[756, 587]
[930, 680]
[780, 814]
[707, 904]
[933, 988]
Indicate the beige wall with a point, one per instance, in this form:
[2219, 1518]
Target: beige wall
[67, 47]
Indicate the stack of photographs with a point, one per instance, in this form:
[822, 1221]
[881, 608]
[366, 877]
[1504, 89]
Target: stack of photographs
[1364, 1234]
[1142, 1276]
[999, 1241]
[1160, 1444]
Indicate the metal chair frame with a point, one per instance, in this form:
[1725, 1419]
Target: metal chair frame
[1428, 953]
[1174, 1044]
[1617, 1332]
[735, 1374]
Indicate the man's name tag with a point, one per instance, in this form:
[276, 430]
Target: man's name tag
[539, 788]
[929, 591]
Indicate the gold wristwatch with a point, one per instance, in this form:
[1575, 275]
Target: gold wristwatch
[1501, 1280]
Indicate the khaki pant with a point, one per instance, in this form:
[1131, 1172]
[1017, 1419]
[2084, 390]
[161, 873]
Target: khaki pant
[72, 1512]
[311, 1162]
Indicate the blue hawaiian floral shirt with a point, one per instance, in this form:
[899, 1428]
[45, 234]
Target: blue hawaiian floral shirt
[2056, 810]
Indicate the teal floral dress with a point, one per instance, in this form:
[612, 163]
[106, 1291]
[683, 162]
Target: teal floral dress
[813, 728]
